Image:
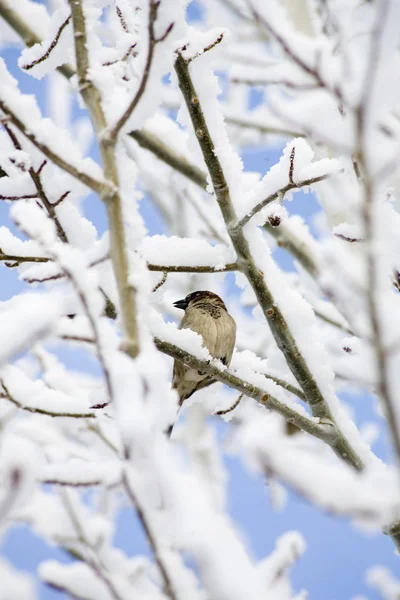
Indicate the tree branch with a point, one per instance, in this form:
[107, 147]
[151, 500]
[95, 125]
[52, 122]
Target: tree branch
[269, 306]
[151, 142]
[118, 245]
[189, 269]
[325, 430]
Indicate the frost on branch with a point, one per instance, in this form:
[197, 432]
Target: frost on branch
[178, 154]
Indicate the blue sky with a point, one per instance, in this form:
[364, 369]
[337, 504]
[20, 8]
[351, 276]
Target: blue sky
[337, 554]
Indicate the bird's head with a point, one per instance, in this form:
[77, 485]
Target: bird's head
[200, 297]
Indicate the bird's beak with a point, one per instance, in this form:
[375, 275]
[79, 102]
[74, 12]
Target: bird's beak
[181, 304]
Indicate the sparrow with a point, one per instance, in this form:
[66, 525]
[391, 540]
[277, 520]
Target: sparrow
[206, 314]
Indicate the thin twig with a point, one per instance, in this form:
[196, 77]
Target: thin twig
[247, 123]
[12, 258]
[16, 198]
[152, 42]
[279, 194]
[50, 48]
[161, 282]
[42, 411]
[290, 53]
[220, 413]
[207, 48]
[12, 493]
[19, 25]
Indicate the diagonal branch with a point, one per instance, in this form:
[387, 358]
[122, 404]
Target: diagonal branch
[97, 186]
[151, 142]
[53, 44]
[323, 429]
[279, 328]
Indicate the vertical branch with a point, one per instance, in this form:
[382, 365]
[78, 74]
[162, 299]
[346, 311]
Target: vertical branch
[373, 305]
[367, 215]
[112, 198]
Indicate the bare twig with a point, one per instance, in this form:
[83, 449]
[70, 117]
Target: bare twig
[161, 282]
[123, 58]
[50, 48]
[279, 194]
[207, 48]
[16, 22]
[15, 260]
[291, 167]
[16, 198]
[220, 413]
[312, 71]
[248, 123]
[152, 42]
[121, 19]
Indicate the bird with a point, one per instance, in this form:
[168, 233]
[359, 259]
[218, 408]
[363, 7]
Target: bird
[207, 315]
